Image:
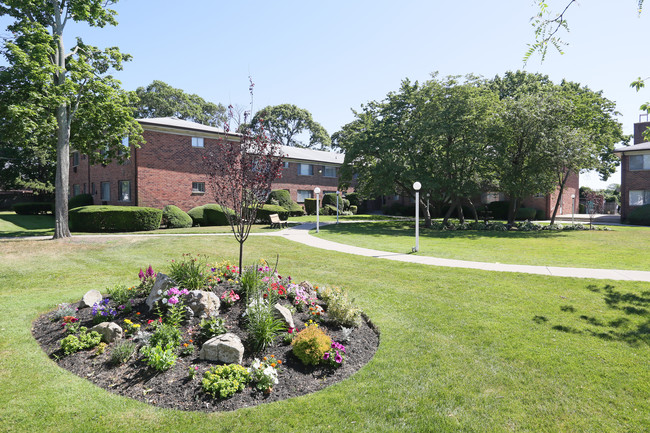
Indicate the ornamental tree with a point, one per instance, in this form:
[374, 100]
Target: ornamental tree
[241, 171]
[61, 99]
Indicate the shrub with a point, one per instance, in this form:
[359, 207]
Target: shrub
[215, 215]
[353, 209]
[198, 216]
[159, 358]
[264, 214]
[223, 381]
[355, 199]
[32, 208]
[311, 344]
[122, 351]
[166, 335]
[526, 213]
[283, 198]
[499, 209]
[121, 296]
[85, 340]
[212, 327]
[539, 214]
[582, 209]
[174, 217]
[310, 206]
[340, 309]
[330, 199]
[329, 210]
[640, 215]
[114, 218]
[80, 200]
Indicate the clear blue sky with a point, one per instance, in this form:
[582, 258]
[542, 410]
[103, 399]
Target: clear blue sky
[332, 56]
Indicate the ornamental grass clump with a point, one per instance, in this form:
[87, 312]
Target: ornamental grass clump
[340, 309]
[190, 272]
[122, 351]
[311, 344]
[223, 381]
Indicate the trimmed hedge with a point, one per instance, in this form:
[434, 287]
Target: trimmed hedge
[540, 215]
[209, 215]
[640, 215]
[355, 199]
[329, 210]
[33, 208]
[330, 199]
[283, 198]
[114, 218]
[310, 206]
[80, 200]
[499, 209]
[264, 214]
[526, 213]
[198, 216]
[174, 217]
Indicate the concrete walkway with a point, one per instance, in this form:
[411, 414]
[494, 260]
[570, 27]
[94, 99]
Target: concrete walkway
[301, 235]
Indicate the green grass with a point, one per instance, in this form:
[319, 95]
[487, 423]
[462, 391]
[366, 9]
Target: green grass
[620, 248]
[461, 350]
[12, 225]
[332, 218]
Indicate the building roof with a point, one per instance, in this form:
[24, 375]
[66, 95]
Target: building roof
[633, 148]
[293, 153]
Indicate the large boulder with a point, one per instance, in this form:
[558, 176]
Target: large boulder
[90, 298]
[161, 285]
[202, 303]
[284, 314]
[226, 348]
[110, 331]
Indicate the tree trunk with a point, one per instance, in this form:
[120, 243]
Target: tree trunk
[452, 206]
[473, 210]
[61, 229]
[459, 210]
[559, 196]
[241, 256]
[512, 210]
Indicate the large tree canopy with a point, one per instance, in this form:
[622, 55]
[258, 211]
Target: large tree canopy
[159, 99]
[56, 98]
[288, 124]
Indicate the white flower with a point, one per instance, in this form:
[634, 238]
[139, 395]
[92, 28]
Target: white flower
[256, 364]
[164, 301]
[160, 292]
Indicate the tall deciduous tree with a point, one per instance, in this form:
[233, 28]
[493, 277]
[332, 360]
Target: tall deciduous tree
[71, 95]
[287, 124]
[159, 99]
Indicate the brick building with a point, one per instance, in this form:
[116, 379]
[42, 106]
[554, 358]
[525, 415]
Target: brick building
[635, 172]
[168, 169]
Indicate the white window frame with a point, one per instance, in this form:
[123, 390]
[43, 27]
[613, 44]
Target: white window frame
[639, 197]
[303, 194]
[309, 169]
[121, 196]
[198, 187]
[105, 191]
[198, 142]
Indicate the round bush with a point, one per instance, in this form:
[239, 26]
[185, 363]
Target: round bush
[264, 214]
[174, 217]
[499, 209]
[310, 206]
[355, 199]
[353, 209]
[283, 198]
[640, 215]
[114, 218]
[310, 345]
[329, 210]
[198, 216]
[32, 208]
[330, 199]
[526, 213]
[80, 200]
[215, 216]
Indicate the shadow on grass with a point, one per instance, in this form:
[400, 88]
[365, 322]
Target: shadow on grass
[405, 228]
[30, 225]
[631, 326]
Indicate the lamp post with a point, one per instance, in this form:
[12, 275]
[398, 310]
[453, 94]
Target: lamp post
[317, 192]
[573, 206]
[416, 187]
[337, 207]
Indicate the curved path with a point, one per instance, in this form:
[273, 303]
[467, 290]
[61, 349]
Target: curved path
[301, 234]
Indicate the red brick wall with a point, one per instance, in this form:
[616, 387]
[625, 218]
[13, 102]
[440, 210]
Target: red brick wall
[292, 181]
[547, 203]
[631, 180]
[114, 172]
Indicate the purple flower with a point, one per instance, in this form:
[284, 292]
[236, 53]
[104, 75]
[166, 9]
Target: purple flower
[184, 292]
[326, 356]
[141, 274]
[174, 291]
[121, 307]
[150, 272]
[173, 300]
[338, 358]
[213, 269]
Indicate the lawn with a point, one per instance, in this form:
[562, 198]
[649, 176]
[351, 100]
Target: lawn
[620, 248]
[460, 350]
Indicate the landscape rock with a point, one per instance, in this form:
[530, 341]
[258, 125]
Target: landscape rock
[110, 331]
[90, 298]
[202, 303]
[162, 284]
[307, 287]
[226, 348]
[284, 314]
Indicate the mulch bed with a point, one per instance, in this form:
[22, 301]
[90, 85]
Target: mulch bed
[174, 388]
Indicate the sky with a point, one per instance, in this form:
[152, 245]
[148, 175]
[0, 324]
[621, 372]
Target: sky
[330, 57]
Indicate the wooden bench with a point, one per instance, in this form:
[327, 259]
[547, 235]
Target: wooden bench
[277, 222]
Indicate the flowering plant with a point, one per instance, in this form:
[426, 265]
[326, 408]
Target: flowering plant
[336, 355]
[192, 371]
[147, 280]
[229, 298]
[224, 272]
[265, 373]
[131, 328]
[315, 311]
[173, 300]
[300, 297]
[102, 312]
[71, 324]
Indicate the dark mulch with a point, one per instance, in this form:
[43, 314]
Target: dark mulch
[174, 388]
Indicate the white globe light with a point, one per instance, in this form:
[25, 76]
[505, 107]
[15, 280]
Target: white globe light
[417, 186]
[317, 190]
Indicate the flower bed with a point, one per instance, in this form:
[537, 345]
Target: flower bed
[157, 360]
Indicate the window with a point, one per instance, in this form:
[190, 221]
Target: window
[285, 164]
[93, 191]
[198, 187]
[197, 141]
[489, 197]
[305, 169]
[539, 195]
[75, 159]
[125, 146]
[76, 190]
[124, 190]
[639, 197]
[105, 194]
[329, 171]
[639, 162]
[303, 194]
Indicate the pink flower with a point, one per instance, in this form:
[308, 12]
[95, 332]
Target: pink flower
[326, 356]
[173, 300]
